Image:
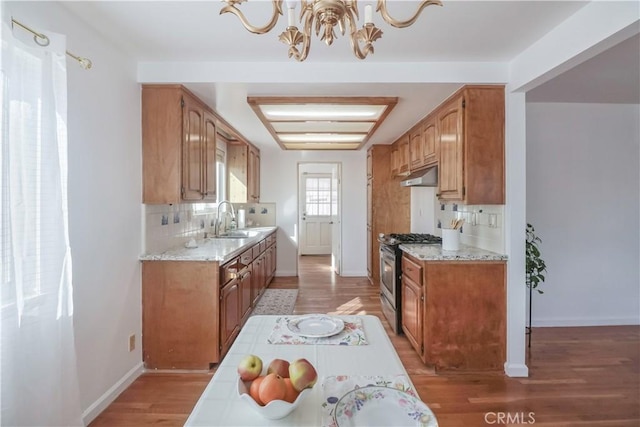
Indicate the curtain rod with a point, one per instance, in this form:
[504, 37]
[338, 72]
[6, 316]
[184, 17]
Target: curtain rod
[42, 40]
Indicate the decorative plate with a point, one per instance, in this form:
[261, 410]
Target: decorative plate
[315, 325]
[382, 406]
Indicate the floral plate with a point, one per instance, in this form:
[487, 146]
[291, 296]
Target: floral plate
[316, 325]
[382, 406]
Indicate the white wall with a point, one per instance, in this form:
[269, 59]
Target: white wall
[583, 200]
[104, 203]
[279, 184]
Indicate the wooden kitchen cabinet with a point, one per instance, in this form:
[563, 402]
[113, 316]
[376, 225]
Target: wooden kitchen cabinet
[470, 134]
[178, 146]
[181, 314]
[412, 303]
[388, 205]
[463, 314]
[404, 161]
[430, 141]
[416, 147]
[230, 314]
[243, 169]
[254, 175]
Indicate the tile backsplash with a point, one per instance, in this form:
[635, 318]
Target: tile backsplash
[167, 226]
[483, 224]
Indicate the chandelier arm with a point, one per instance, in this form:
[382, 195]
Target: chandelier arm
[353, 38]
[382, 8]
[231, 8]
[306, 39]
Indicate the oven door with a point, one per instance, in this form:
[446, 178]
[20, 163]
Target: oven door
[388, 274]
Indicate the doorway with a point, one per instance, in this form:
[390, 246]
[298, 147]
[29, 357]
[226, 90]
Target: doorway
[319, 217]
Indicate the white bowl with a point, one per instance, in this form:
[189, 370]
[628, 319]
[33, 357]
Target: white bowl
[273, 410]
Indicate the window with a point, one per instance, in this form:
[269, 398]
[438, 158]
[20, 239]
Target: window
[318, 196]
[221, 180]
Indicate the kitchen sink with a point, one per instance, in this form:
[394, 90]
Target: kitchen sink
[237, 234]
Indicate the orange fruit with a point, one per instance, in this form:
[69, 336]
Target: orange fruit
[272, 388]
[253, 390]
[292, 393]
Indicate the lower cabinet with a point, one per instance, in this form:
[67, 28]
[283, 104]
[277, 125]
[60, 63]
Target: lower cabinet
[412, 295]
[192, 311]
[181, 314]
[230, 314]
[454, 314]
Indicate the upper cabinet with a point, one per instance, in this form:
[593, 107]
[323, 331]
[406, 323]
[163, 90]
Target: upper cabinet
[470, 133]
[400, 156]
[178, 146]
[464, 137]
[243, 165]
[430, 146]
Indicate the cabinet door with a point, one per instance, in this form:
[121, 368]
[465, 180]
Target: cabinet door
[253, 168]
[192, 152]
[403, 154]
[412, 311]
[429, 146]
[450, 171]
[395, 163]
[229, 314]
[245, 294]
[209, 157]
[416, 147]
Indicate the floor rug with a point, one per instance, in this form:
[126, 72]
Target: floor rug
[276, 301]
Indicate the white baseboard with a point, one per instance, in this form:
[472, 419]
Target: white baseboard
[516, 370]
[584, 321]
[354, 274]
[286, 273]
[110, 395]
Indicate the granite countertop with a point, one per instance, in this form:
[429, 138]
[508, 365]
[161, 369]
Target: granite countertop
[435, 253]
[211, 249]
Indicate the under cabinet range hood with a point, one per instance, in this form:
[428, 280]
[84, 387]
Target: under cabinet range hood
[425, 178]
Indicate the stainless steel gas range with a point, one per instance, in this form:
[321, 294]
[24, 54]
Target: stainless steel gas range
[391, 272]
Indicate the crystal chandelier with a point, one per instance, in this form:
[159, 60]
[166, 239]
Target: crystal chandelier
[324, 16]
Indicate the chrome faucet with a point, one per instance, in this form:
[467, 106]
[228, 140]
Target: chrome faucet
[218, 223]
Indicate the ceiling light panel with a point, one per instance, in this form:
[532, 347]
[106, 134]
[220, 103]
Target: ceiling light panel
[340, 112]
[320, 146]
[322, 122]
[321, 137]
[322, 126]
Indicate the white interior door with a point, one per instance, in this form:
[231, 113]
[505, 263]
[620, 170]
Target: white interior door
[316, 207]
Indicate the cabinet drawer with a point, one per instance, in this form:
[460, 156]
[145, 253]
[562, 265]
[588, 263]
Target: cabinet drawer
[256, 250]
[412, 270]
[263, 246]
[229, 271]
[271, 239]
[246, 258]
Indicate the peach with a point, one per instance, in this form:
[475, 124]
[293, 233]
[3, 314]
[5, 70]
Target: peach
[254, 388]
[272, 388]
[292, 393]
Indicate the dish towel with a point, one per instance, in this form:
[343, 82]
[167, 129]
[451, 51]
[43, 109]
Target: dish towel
[352, 334]
[334, 387]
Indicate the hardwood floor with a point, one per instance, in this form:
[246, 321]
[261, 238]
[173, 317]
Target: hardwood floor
[578, 376]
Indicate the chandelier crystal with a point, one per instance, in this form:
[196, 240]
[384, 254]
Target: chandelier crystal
[324, 17]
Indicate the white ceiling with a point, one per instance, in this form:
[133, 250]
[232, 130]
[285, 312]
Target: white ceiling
[459, 31]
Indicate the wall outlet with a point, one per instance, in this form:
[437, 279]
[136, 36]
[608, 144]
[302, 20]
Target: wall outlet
[132, 342]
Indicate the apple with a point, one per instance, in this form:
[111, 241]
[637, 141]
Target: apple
[250, 367]
[303, 374]
[280, 367]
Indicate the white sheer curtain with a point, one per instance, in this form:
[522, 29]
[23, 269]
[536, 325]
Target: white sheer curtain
[38, 367]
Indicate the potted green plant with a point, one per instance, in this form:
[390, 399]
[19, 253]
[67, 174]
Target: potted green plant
[535, 267]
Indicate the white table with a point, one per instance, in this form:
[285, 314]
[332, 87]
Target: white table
[220, 405]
